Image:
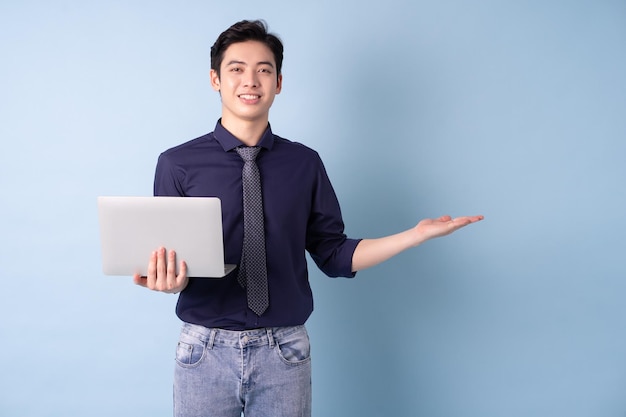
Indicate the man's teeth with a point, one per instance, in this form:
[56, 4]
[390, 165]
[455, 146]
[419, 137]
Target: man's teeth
[249, 96]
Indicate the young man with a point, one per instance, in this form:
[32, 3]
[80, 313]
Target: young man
[235, 356]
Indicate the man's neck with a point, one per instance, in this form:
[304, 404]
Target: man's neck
[249, 132]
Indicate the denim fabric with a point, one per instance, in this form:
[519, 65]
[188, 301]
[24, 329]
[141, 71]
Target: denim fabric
[260, 373]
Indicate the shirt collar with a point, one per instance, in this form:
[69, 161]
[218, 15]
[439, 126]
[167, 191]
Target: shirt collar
[230, 142]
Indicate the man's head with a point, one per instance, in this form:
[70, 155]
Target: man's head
[245, 70]
[243, 31]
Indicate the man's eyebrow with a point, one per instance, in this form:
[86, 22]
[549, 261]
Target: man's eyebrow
[236, 62]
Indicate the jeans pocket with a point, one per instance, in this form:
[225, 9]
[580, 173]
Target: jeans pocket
[294, 348]
[189, 351]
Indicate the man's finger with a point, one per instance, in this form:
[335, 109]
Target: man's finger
[161, 264]
[171, 270]
[151, 273]
[182, 272]
[139, 280]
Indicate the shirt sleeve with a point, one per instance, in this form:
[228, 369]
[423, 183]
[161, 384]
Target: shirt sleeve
[168, 178]
[327, 243]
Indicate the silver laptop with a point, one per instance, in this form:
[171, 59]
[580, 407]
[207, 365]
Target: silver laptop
[131, 228]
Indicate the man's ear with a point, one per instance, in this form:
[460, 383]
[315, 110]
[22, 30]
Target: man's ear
[279, 83]
[215, 80]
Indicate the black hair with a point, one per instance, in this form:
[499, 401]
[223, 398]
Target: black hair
[246, 30]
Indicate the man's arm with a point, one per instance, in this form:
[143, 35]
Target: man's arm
[161, 274]
[370, 252]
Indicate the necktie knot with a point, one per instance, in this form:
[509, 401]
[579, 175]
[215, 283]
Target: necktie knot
[248, 153]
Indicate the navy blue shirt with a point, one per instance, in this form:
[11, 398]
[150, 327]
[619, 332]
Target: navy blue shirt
[301, 214]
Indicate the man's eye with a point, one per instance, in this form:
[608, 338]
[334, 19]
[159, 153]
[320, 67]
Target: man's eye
[266, 70]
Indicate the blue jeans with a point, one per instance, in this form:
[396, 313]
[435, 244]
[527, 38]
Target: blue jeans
[261, 372]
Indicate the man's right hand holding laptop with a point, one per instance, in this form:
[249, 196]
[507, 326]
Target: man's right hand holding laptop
[161, 275]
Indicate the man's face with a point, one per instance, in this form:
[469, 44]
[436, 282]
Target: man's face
[247, 82]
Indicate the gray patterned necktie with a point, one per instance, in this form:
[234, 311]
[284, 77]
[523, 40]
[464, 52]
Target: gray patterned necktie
[253, 268]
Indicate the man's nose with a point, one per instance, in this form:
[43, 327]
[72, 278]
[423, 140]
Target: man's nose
[251, 79]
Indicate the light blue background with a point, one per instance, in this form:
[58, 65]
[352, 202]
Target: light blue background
[512, 109]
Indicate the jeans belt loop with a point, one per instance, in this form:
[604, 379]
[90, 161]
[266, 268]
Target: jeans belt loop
[211, 341]
[270, 337]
